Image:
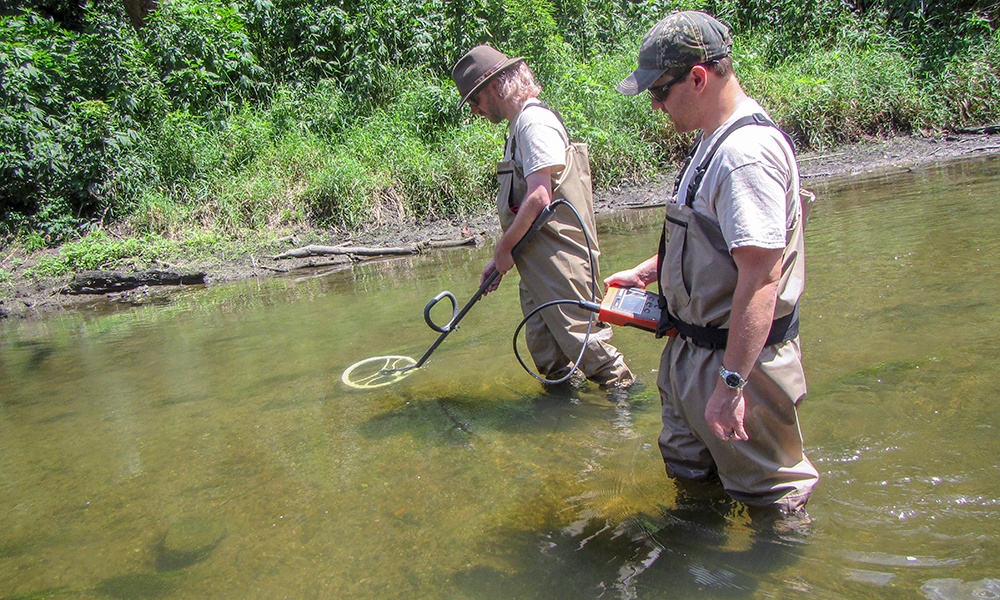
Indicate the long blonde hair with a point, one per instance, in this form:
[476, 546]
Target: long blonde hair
[517, 84]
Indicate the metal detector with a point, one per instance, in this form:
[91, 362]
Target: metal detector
[380, 371]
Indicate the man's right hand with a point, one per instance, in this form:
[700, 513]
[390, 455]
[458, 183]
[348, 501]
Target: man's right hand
[624, 279]
[638, 276]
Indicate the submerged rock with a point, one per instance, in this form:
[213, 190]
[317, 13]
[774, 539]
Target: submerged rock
[956, 589]
[187, 542]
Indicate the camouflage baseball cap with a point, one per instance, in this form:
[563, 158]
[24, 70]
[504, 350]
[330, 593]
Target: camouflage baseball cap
[679, 40]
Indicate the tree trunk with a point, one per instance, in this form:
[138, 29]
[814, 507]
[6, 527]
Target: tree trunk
[138, 10]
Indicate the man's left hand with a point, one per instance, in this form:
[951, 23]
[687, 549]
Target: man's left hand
[724, 414]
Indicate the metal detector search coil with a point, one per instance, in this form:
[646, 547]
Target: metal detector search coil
[380, 371]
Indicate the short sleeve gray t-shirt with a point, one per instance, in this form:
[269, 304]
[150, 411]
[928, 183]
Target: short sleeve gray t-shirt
[540, 140]
[751, 188]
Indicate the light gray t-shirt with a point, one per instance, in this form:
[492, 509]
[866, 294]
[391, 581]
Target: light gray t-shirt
[539, 139]
[751, 187]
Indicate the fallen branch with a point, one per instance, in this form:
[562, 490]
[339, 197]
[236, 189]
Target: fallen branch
[643, 205]
[253, 263]
[102, 282]
[316, 250]
[267, 268]
[988, 130]
[466, 241]
[821, 157]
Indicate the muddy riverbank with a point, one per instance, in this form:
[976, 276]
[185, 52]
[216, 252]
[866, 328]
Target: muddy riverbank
[26, 298]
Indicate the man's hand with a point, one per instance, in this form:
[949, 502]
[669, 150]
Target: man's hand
[489, 270]
[724, 413]
[624, 279]
[753, 307]
[503, 258]
[637, 277]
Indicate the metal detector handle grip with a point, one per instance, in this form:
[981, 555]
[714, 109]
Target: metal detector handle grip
[454, 312]
[452, 325]
[542, 218]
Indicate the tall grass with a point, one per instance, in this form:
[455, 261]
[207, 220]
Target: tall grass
[862, 86]
[966, 90]
[228, 123]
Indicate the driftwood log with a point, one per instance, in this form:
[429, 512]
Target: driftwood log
[988, 130]
[103, 282]
[315, 250]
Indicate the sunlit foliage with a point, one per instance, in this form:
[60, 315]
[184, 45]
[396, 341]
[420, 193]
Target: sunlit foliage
[268, 115]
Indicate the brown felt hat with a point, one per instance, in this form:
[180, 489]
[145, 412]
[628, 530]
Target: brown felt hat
[477, 67]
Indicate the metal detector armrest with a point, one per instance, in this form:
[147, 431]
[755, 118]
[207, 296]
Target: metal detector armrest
[542, 218]
[454, 312]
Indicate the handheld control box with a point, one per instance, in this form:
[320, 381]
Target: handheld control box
[632, 307]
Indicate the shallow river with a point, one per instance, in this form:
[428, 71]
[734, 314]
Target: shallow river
[207, 448]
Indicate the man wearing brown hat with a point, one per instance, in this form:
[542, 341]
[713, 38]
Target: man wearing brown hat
[730, 272]
[540, 165]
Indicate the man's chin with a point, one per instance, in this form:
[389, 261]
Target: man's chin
[680, 128]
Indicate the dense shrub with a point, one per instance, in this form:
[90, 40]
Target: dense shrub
[244, 116]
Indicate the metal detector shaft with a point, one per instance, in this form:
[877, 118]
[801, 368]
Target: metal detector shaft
[458, 315]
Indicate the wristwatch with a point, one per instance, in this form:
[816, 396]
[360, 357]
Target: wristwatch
[732, 379]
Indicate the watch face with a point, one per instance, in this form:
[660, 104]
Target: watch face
[733, 380]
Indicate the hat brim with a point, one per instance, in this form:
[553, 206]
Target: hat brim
[639, 81]
[510, 62]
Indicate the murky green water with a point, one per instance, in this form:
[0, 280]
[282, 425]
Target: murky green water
[207, 448]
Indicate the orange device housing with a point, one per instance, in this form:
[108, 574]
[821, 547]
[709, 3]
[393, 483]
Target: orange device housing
[632, 307]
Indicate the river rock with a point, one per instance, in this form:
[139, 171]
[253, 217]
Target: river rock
[956, 589]
[189, 541]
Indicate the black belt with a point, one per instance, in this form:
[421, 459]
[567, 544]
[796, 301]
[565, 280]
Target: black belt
[715, 338]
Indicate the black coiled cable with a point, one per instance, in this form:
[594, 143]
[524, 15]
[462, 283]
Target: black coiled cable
[580, 303]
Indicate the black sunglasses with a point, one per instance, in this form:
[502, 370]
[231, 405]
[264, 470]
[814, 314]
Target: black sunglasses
[473, 101]
[659, 92]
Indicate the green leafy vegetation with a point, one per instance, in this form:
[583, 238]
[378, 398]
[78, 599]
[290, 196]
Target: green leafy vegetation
[218, 123]
[94, 251]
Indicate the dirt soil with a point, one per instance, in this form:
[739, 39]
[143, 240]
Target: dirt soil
[37, 299]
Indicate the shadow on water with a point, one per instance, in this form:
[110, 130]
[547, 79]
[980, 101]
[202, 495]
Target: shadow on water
[699, 547]
[452, 419]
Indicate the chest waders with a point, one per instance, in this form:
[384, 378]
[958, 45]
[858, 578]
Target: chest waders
[698, 275]
[560, 264]
[572, 185]
[697, 258]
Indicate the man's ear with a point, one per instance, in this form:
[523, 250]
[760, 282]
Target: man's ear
[700, 76]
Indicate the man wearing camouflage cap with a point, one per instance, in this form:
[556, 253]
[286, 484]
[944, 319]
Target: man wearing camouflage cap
[730, 272]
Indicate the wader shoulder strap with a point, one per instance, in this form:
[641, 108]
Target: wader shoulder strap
[715, 338]
[699, 174]
[511, 140]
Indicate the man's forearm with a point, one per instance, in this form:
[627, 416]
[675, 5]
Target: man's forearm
[753, 307]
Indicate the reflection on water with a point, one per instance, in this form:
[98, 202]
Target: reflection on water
[207, 448]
